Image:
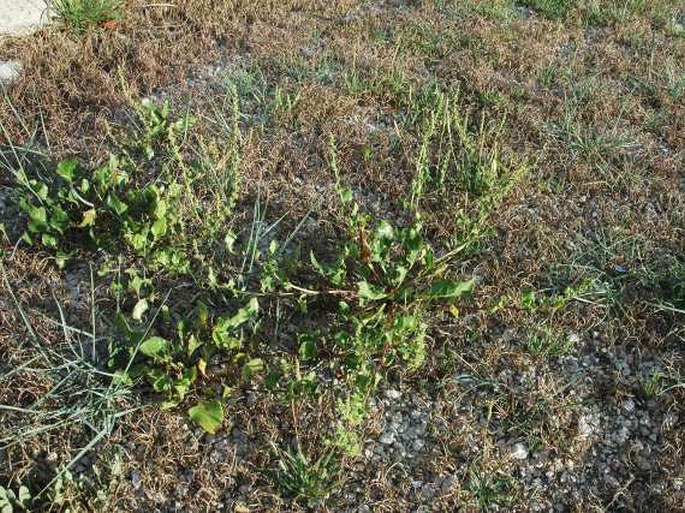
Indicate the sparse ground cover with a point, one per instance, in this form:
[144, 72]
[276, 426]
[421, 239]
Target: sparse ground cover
[344, 256]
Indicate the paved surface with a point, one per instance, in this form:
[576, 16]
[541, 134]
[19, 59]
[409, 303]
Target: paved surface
[21, 16]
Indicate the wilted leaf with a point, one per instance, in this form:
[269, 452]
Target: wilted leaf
[202, 366]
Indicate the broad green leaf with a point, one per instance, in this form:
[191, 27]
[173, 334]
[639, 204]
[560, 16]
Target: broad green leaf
[59, 219]
[182, 386]
[38, 215]
[139, 241]
[406, 323]
[225, 341]
[208, 414]
[160, 208]
[67, 170]
[246, 313]
[140, 308]
[168, 404]
[6, 498]
[528, 299]
[116, 204]
[160, 381]
[335, 273]
[159, 228]
[450, 289]
[154, 346]
[369, 291]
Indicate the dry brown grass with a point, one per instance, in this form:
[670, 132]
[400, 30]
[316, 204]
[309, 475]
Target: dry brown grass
[593, 111]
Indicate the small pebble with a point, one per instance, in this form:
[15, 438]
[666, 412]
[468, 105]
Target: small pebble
[519, 451]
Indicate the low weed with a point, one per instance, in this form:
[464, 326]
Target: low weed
[118, 205]
[546, 343]
[552, 9]
[459, 169]
[79, 16]
[612, 12]
[489, 490]
[302, 478]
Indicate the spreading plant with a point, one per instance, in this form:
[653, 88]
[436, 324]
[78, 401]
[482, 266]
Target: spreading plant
[386, 282]
[172, 365]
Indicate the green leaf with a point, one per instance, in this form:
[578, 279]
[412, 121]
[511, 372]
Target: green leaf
[140, 308]
[160, 208]
[38, 215]
[307, 349]
[221, 334]
[528, 299]
[154, 346]
[24, 496]
[116, 204]
[208, 414]
[450, 289]
[334, 272]
[61, 259]
[193, 344]
[246, 313]
[48, 240]
[59, 219]
[85, 186]
[67, 170]
[252, 367]
[159, 228]
[369, 291]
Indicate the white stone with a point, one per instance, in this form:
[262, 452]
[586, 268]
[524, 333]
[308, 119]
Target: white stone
[393, 394]
[388, 438]
[9, 71]
[519, 451]
[21, 16]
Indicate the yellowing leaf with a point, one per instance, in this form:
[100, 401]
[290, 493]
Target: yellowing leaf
[140, 308]
[88, 218]
[202, 367]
